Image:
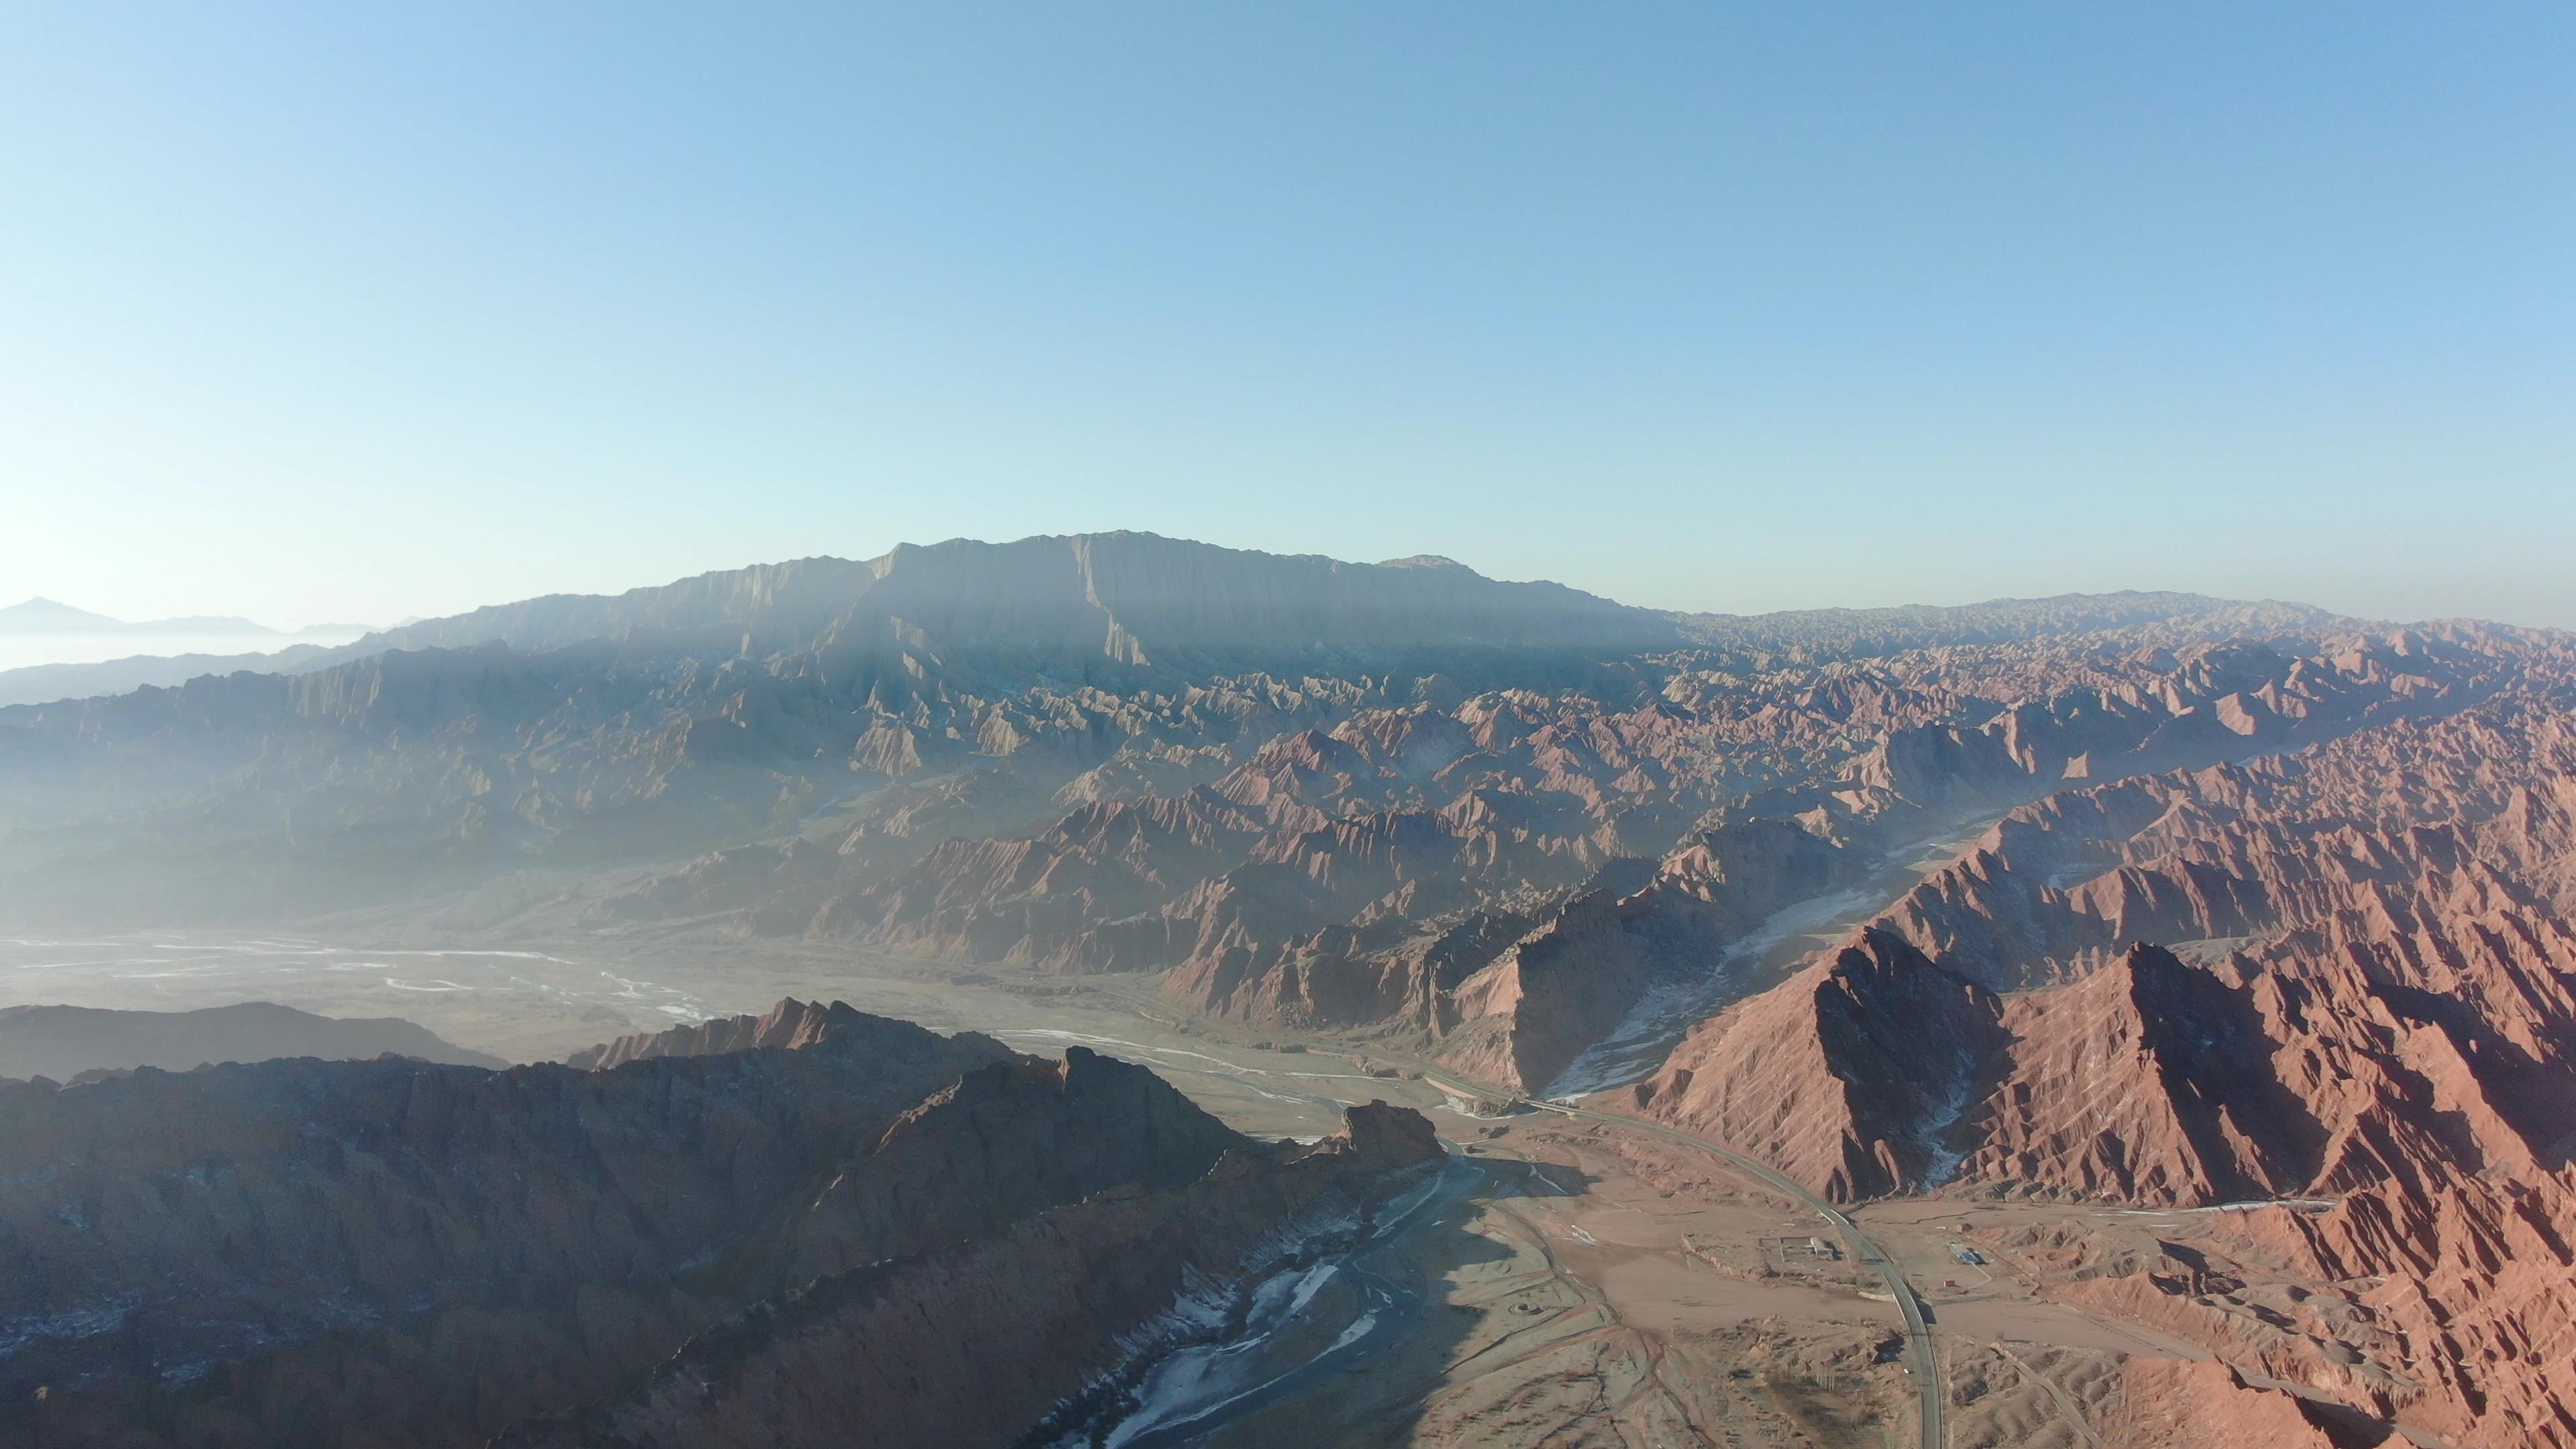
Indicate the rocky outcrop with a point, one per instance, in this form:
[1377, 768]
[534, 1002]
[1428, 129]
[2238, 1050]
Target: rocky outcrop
[1031, 899]
[2436, 1308]
[1848, 1076]
[61, 1042]
[1436, 867]
[395, 1252]
[974, 1345]
[1880, 1072]
[2148, 1081]
[788, 1026]
[2167, 1404]
[1316, 796]
[2389, 989]
[2370, 1003]
[1006, 1140]
[2475, 1282]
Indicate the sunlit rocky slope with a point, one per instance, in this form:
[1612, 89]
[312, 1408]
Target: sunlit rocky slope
[2216, 901]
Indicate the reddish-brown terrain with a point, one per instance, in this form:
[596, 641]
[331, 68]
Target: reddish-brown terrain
[2214, 961]
[2345, 974]
[391, 1252]
[1503, 878]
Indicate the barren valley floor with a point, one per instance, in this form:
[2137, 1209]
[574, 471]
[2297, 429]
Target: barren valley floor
[1595, 1285]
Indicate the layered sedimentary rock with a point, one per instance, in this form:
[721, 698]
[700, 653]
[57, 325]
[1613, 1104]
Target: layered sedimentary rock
[1436, 867]
[2278, 905]
[2166, 1404]
[400, 1253]
[1316, 795]
[2365, 996]
[2439, 1306]
[1843, 1075]
[2387, 980]
[2474, 1282]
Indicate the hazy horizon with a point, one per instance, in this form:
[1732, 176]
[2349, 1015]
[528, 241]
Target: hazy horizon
[406, 312]
[80, 646]
[1127, 980]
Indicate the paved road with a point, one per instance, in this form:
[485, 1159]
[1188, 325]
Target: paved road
[1932, 1392]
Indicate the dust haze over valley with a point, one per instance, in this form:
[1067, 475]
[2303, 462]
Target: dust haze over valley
[2025, 933]
[1196, 727]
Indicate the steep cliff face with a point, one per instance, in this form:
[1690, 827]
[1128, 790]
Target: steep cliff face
[1848, 1076]
[1451, 868]
[2475, 1282]
[303, 1252]
[2389, 987]
[2369, 1002]
[974, 1345]
[2149, 1081]
[1878, 1071]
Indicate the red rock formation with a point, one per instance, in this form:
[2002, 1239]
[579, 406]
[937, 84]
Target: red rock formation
[2379, 1005]
[2475, 1282]
[392, 1252]
[2399, 991]
[1846, 1075]
[2167, 1404]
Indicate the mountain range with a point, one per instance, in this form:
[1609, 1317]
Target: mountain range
[54, 651]
[63, 1043]
[301, 1251]
[45, 616]
[2151, 900]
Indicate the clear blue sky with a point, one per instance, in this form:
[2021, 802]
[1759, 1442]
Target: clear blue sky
[409, 308]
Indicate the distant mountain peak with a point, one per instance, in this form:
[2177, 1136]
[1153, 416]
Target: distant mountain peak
[1071, 602]
[41, 615]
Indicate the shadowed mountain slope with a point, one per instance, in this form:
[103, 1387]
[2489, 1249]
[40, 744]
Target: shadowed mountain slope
[2345, 974]
[397, 1253]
